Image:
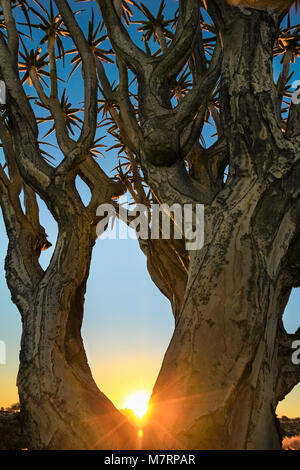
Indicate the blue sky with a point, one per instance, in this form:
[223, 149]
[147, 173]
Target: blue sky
[128, 323]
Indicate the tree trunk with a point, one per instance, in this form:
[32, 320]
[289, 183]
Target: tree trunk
[61, 406]
[218, 387]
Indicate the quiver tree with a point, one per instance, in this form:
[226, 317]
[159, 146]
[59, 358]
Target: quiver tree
[229, 360]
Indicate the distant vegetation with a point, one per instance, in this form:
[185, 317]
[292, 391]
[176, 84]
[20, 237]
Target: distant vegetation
[11, 437]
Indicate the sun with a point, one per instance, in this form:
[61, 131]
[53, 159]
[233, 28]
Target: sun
[138, 403]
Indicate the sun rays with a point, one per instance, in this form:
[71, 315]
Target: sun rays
[138, 402]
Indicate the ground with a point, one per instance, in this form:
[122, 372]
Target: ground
[11, 437]
[10, 431]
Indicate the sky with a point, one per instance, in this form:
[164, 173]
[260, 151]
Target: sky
[128, 323]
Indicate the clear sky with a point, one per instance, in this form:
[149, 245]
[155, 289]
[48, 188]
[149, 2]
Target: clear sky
[128, 323]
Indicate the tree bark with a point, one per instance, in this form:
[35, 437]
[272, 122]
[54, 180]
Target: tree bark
[61, 406]
[221, 377]
[216, 388]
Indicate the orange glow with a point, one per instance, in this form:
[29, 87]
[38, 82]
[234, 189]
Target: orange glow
[263, 4]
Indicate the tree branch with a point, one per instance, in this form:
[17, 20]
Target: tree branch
[24, 124]
[200, 92]
[13, 36]
[120, 39]
[90, 77]
[102, 187]
[127, 112]
[181, 48]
